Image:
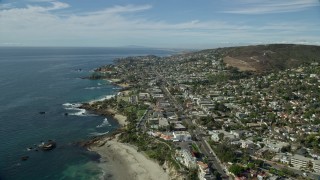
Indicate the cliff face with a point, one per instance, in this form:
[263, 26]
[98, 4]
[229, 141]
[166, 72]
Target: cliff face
[263, 58]
[173, 173]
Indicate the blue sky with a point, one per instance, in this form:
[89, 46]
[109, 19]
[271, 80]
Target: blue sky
[158, 23]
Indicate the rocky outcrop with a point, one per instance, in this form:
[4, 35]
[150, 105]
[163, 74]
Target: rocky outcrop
[173, 173]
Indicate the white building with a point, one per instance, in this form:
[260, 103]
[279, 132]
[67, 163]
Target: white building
[163, 122]
[274, 146]
[316, 166]
[188, 160]
[215, 135]
[300, 162]
[182, 136]
[144, 96]
[247, 144]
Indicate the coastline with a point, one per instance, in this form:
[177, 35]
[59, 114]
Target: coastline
[119, 160]
[125, 162]
[121, 119]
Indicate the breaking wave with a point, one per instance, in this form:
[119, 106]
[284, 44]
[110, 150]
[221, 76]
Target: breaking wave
[104, 123]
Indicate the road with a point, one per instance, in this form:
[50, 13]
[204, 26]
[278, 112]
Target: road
[204, 146]
[209, 153]
[142, 121]
[282, 166]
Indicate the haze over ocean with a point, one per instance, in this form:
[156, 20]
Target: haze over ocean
[49, 79]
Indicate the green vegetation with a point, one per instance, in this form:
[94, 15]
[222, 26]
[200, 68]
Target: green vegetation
[99, 75]
[312, 141]
[236, 169]
[153, 148]
[283, 172]
[226, 152]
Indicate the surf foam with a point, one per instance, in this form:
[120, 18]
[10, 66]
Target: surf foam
[104, 123]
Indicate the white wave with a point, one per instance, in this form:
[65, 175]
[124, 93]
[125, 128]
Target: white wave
[72, 105]
[102, 99]
[76, 111]
[117, 88]
[104, 123]
[99, 84]
[103, 174]
[81, 112]
[98, 134]
[92, 88]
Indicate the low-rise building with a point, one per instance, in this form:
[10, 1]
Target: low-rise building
[300, 162]
[203, 171]
[274, 146]
[316, 166]
[247, 144]
[188, 160]
[144, 96]
[181, 136]
[163, 122]
[216, 137]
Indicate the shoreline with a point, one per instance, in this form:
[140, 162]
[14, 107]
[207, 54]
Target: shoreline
[125, 162]
[119, 160]
[121, 119]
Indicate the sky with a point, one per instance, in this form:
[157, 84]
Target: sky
[158, 23]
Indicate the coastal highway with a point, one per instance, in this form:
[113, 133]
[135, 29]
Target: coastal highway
[204, 146]
[209, 153]
[142, 121]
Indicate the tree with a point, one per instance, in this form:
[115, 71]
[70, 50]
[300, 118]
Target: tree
[236, 169]
[221, 136]
[286, 149]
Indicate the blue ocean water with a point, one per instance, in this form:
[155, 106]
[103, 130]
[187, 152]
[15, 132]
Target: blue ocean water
[49, 79]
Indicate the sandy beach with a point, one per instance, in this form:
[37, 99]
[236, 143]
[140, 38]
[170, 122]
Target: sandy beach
[125, 162]
[122, 120]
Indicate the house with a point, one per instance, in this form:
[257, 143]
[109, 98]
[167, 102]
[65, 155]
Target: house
[203, 101]
[179, 127]
[283, 158]
[207, 107]
[166, 137]
[274, 146]
[157, 95]
[153, 121]
[144, 96]
[163, 122]
[241, 115]
[215, 135]
[237, 133]
[203, 171]
[247, 144]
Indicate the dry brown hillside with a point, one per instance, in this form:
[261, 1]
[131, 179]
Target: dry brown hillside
[262, 58]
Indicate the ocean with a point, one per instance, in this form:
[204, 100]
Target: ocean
[49, 80]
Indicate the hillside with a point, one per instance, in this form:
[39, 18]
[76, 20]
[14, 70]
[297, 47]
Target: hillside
[262, 58]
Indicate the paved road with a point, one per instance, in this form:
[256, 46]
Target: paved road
[204, 146]
[142, 122]
[281, 166]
